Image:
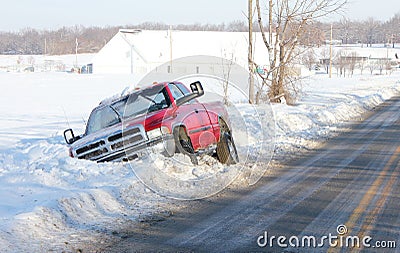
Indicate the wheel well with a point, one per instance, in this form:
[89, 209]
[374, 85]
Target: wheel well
[223, 126]
[183, 142]
[180, 131]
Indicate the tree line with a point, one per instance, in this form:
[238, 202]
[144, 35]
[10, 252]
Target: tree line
[92, 39]
[55, 42]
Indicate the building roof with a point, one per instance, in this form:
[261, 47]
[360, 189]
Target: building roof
[155, 47]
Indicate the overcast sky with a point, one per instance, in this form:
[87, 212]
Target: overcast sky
[50, 14]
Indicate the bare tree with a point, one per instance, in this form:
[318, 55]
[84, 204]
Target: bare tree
[352, 61]
[339, 63]
[289, 18]
[388, 67]
[342, 63]
[371, 27]
[313, 35]
[20, 60]
[227, 63]
[250, 53]
[308, 59]
[372, 66]
[361, 65]
[325, 55]
[31, 60]
[381, 63]
[346, 25]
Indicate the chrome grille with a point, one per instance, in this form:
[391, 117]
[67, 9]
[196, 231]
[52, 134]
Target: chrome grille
[112, 148]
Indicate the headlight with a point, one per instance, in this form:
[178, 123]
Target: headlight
[154, 134]
[165, 130]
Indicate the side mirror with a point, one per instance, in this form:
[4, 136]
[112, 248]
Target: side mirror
[197, 91]
[70, 137]
[197, 88]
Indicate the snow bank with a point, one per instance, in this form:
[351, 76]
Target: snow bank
[326, 106]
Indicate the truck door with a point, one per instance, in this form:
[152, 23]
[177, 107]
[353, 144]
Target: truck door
[194, 116]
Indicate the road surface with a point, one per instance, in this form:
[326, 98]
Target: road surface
[343, 195]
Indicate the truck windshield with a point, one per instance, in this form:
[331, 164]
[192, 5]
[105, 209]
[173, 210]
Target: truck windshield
[138, 103]
[142, 102]
[100, 118]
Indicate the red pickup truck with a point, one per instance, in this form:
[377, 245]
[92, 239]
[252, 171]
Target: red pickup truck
[167, 113]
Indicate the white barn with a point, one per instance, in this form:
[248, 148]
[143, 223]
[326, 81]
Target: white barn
[141, 51]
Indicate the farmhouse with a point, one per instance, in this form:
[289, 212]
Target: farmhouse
[141, 51]
[365, 54]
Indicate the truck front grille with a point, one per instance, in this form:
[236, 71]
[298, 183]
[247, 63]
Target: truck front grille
[95, 153]
[127, 142]
[112, 148]
[90, 147]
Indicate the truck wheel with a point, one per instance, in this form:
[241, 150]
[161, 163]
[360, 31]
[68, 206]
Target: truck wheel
[184, 145]
[226, 150]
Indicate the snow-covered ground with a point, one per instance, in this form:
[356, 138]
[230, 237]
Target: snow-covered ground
[49, 201]
[43, 63]
[327, 104]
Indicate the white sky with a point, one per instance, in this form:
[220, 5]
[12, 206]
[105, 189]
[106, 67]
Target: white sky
[50, 14]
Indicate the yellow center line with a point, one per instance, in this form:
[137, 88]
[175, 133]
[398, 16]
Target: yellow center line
[369, 196]
[380, 203]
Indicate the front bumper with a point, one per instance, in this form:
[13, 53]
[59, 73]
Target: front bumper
[118, 145]
[130, 153]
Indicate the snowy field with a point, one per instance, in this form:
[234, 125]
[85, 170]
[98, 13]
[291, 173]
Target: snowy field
[50, 202]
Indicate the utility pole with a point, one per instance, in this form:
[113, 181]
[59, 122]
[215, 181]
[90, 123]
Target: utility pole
[330, 53]
[170, 48]
[387, 55]
[76, 52]
[250, 55]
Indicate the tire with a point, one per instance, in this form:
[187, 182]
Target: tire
[226, 150]
[184, 145]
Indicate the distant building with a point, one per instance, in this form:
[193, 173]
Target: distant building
[141, 51]
[358, 54]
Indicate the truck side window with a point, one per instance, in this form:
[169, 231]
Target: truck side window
[183, 88]
[176, 92]
[160, 101]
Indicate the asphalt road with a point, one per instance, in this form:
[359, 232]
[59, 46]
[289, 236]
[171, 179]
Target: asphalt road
[353, 181]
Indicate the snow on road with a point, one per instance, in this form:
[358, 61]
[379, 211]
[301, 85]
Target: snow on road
[49, 201]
